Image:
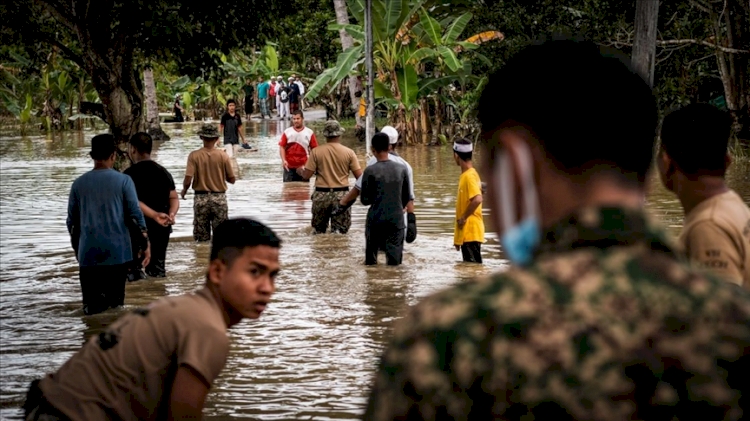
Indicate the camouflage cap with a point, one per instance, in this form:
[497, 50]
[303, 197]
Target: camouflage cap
[332, 129]
[208, 131]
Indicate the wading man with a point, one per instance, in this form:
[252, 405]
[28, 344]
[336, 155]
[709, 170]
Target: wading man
[208, 171]
[102, 210]
[468, 232]
[331, 163]
[157, 197]
[595, 319]
[692, 162]
[410, 219]
[159, 362]
[295, 146]
[231, 127]
[385, 187]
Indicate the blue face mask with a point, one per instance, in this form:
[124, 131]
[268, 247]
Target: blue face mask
[519, 238]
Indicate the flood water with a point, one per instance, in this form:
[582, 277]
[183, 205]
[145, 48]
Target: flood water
[313, 352]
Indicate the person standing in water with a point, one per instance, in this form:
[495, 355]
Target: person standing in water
[103, 209]
[692, 162]
[249, 91]
[295, 146]
[159, 362]
[208, 171]
[231, 127]
[385, 188]
[468, 234]
[157, 197]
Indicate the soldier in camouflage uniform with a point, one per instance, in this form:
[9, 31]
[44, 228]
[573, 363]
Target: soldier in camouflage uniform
[332, 163]
[208, 170]
[596, 319]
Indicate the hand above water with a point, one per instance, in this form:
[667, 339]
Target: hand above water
[183, 193]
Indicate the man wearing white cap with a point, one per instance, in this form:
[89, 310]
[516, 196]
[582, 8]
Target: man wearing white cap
[351, 197]
[468, 234]
[282, 98]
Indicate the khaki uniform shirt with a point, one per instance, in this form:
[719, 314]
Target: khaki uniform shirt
[127, 371]
[332, 163]
[210, 169]
[605, 324]
[716, 237]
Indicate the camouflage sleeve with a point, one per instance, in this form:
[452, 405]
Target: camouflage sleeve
[416, 378]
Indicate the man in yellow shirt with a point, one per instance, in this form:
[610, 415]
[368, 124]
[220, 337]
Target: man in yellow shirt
[692, 161]
[468, 234]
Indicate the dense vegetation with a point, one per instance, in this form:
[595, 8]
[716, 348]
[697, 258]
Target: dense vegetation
[431, 57]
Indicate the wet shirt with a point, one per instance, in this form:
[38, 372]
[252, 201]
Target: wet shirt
[153, 183]
[332, 163]
[716, 237]
[297, 144]
[395, 158]
[469, 186]
[101, 206]
[232, 124]
[210, 169]
[385, 188]
[126, 372]
[605, 324]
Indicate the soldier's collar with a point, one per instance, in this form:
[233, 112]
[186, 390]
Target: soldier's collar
[603, 227]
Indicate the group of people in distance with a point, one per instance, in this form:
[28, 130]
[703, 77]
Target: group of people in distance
[598, 317]
[274, 94]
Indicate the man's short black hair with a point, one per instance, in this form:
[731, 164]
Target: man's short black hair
[584, 105]
[231, 101]
[381, 142]
[696, 137]
[464, 156]
[299, 113]
[142, 142]
[233, 235]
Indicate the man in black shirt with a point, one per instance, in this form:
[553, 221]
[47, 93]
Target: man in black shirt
[157, 197]
[294, 95]
[231, 124]
[385, 186]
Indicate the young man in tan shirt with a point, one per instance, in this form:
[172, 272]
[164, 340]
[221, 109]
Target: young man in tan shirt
[692, 162]
[159, 362]
[332, 162]
[208, 170]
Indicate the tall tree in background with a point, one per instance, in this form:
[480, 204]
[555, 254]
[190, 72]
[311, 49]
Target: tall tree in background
[644, 47]
[342, 18]
[153, 125]
[109, 38]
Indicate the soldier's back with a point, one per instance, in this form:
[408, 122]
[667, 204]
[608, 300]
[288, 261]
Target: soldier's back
[605, 325]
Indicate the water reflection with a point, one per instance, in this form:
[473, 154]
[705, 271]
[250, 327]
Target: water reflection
[313, 353]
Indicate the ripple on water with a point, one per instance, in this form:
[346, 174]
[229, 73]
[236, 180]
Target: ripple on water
[312, 354]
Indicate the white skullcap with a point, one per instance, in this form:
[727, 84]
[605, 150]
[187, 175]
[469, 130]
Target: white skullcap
[392, 134]
[464, 148]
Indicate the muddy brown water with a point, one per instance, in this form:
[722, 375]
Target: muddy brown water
[313, 352]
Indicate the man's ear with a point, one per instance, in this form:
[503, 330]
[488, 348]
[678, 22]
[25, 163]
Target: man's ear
[216, 270]
[727, 161]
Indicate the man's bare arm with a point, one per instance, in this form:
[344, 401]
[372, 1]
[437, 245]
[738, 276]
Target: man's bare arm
[304, 173]
[186, 185]
[188, 396]
[282, 154]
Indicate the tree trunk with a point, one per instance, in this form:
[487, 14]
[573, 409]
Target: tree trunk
[737, 66]
[153, 124]
[342, 18]
[644, 47]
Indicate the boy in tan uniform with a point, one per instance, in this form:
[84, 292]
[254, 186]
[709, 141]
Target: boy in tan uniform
[692, 162]
[159, 362]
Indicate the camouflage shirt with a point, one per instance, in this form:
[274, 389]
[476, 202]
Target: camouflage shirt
[604, 325]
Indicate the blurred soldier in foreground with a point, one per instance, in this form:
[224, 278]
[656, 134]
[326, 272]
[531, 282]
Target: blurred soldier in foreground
[596, 319]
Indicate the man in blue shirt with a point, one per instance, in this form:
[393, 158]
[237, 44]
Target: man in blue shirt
[263, 91]
[103, 209]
